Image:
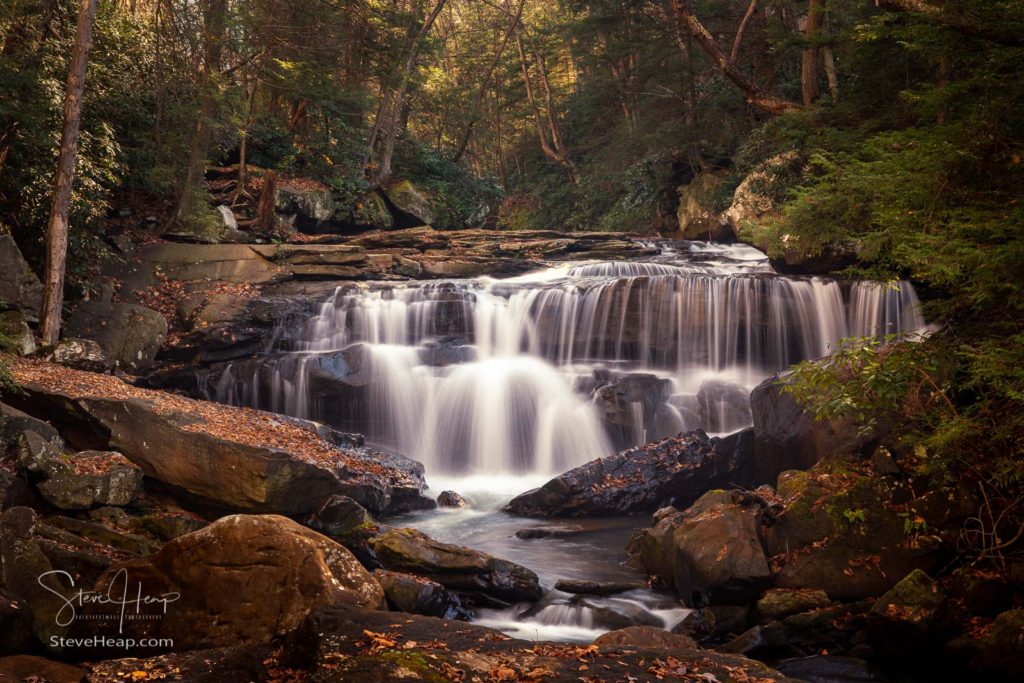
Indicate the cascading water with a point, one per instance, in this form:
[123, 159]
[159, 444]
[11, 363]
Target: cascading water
[483, 379]
[546, 371]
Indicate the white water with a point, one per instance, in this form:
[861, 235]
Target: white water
[551, 369]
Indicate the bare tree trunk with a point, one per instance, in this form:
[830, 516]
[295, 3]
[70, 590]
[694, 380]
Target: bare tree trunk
[738, 40]
[546, 148]
[214, 24]
[57, 228]
[811, 54]
[485, 83]
[756, 95]
[384, 171]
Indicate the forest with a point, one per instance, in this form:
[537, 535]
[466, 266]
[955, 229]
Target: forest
[726, 293]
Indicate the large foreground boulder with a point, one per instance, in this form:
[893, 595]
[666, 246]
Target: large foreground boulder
[234, 459]
[481, 577]
[243, 579]
[673, 471]
[129, 335]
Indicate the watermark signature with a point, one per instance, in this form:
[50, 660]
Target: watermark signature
[128, 600]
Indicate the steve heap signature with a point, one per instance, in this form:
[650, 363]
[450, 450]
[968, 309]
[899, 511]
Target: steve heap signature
[129, 599]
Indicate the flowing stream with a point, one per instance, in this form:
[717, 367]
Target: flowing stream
[497, 385]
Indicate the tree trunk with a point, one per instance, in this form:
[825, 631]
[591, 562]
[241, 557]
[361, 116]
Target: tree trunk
[738, 40]
[485, 83]
[756, 95]
[546, 148]
[57, 228]
[811, 54]
[384, 171]
[214, 24]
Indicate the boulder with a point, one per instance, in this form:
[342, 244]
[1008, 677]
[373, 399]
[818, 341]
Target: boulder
[481, 577]
[81, 354]
[19, 287]
[15, 334]
[38, 455]
[997, 651]
[583, 587]
[829, 669]
[347, 522]
[451, 499]
[549, 531]
[371, 212]
[753, 202]
[908, 615]
[779, 603]
[240, 664]
[411, 203]
[696, 215]
[787, 435]
[673, 471]
[723, 406]
[311, 202]
[129, 335]
[92, 479]
[217, 455]
[718, 552]
[243, 579]
[417, 595]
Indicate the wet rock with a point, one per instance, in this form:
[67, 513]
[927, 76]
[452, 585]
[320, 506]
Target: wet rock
[787, 436]
[828, 669]
[411, 203]
[129, 335]
[583, 587]
[723, 406]
[244, 579]
[633, 406]
[81, 354]
[549, 532]
[19, 286]
[91, 479]
[350, 524]
[768, 637]
[647, 637]
[15, 331]
[478, 575]
[451, 499]
[778, 603]
[417, 595]
[673, 471]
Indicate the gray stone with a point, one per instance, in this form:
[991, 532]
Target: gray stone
[19, 286]
[16, 333]
[129, 335]
[411, 201]
[92, 479]
[81, 354]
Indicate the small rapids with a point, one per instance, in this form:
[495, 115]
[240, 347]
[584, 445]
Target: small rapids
[596, 554]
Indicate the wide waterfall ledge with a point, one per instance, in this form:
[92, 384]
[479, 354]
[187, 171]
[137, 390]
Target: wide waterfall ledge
[543, 372]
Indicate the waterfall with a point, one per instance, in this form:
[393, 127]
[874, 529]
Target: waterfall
[546, 371]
